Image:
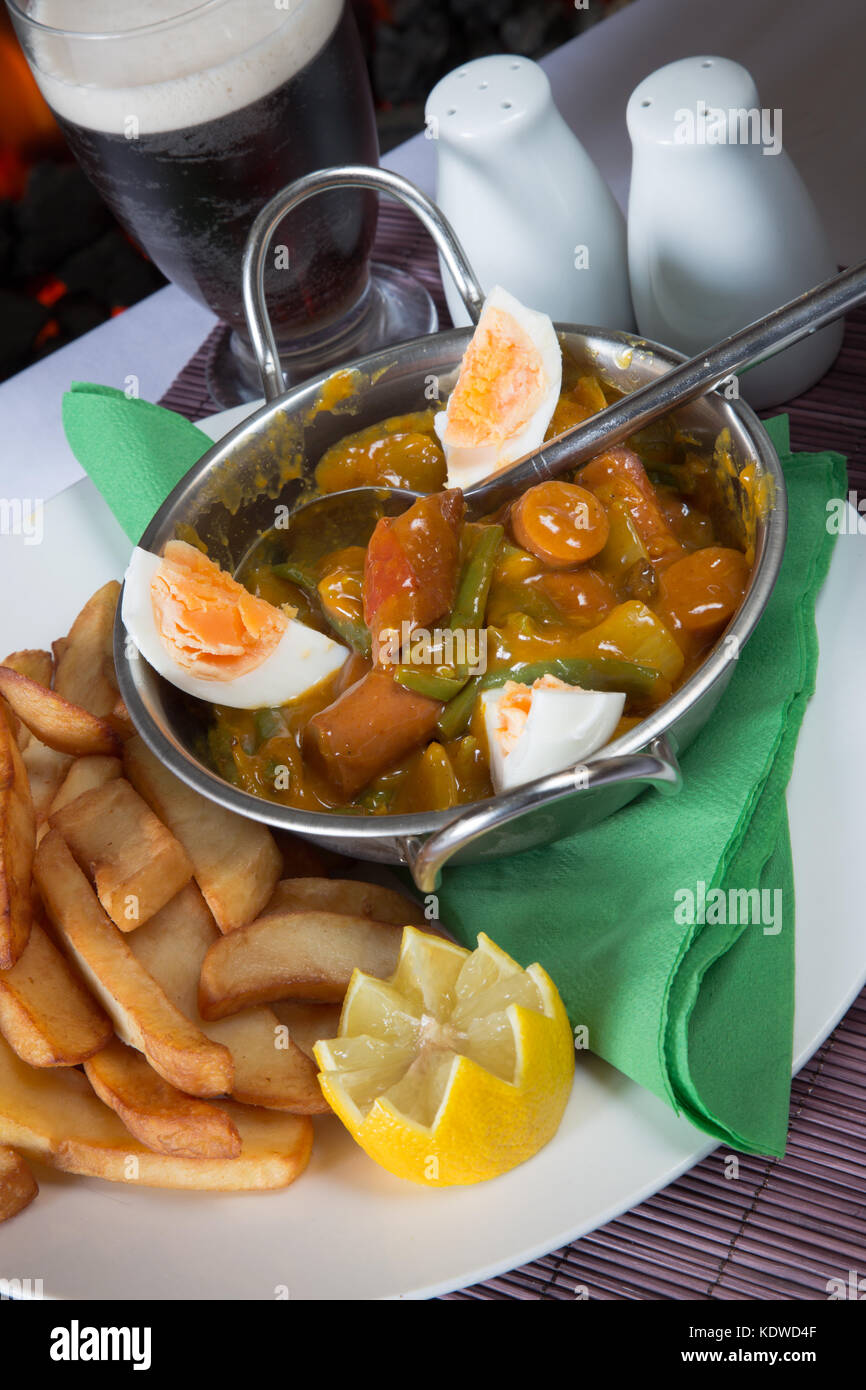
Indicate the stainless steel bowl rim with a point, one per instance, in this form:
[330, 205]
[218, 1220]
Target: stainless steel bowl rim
[371, 827]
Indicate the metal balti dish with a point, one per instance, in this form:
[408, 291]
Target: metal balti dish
[229, 498]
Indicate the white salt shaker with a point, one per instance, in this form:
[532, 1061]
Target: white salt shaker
[721, 227]
[531, 209]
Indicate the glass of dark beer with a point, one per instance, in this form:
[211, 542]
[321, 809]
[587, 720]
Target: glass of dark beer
[189, 116]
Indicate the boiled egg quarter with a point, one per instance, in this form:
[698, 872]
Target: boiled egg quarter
[535, 730]
[203, 631]
[505, 394]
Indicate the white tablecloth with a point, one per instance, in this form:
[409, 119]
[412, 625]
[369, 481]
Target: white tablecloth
[807, 59]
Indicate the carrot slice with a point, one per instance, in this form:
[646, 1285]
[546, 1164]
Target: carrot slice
[560, 523]
[704, 589]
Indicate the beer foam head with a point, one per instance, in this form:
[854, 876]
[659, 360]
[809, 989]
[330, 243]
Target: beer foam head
[180, 66]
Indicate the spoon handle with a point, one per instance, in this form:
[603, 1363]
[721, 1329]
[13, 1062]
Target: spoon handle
[754, 344]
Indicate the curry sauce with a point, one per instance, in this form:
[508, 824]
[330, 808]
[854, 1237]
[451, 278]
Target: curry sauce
[631, 599]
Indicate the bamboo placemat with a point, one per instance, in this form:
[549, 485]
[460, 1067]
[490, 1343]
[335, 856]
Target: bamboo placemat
[783, 1229]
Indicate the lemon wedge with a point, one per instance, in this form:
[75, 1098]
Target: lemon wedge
[456, 1069]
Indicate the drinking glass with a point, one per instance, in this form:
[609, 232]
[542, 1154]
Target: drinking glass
[188, 117]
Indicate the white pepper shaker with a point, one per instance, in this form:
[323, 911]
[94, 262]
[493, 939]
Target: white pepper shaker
[531, 209]
[721, 227]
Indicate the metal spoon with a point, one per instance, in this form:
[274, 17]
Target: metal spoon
[702, 374]
[696, 377]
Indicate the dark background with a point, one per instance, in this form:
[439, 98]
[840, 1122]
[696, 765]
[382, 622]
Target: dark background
[65, 264]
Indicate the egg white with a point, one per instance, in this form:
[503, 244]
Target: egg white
[563, 727]
[302, 658]
[469, 464]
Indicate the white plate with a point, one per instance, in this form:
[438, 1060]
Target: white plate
[346, 1229]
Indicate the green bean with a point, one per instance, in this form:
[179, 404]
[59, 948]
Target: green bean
[508, 550]
[376, 800]
[435, 683]
[592, 673]
[458, 711]
[296, 574]
[268, 723]
[355, 634]
[599, 673]
[471, 600]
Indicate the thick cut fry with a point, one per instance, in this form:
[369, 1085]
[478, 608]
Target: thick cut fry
[85, 775]
[18, 1186]
[348, 896]
[307, 1023]
[120, 719]
[85, 662]
[269, 1069]
[55, 722]
[46, 770]
[136, 864]
[46, 1013]
[17, 843]
[36, 665]
[143, 1015]
[294, 955]
[163, 1118]
[54, 1117]
[235, 861]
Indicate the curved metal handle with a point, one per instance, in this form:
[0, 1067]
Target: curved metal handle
[321, 181]
[656, 765]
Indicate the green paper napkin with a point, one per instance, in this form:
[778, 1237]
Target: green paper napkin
[700, 1014]
[135, 452]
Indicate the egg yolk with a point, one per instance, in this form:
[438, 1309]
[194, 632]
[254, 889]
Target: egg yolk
[513, 709]
[213, 627]
[501, 383]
